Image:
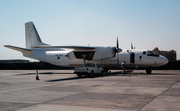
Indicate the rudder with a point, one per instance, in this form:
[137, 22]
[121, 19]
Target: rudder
[32, 36]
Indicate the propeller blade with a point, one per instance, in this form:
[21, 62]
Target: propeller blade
[117, 49]
[131, 45]
[117, 44]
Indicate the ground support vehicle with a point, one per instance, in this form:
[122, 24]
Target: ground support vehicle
[89, 69]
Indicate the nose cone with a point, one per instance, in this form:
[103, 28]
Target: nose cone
[162, 60]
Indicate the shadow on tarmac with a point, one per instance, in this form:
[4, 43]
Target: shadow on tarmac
[128, 73]
[43, 73]
[65, 79]
[87, 76]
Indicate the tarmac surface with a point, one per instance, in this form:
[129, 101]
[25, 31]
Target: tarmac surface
[61, 90]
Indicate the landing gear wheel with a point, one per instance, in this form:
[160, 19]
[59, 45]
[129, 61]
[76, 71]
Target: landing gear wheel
[106, 69]
[92, 74]
[148, 71]
[102, 73]
[79, 75]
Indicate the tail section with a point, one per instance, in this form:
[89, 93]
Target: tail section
[32, 36]
[17, 48]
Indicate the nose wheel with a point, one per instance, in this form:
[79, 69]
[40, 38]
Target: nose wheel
[148, 71]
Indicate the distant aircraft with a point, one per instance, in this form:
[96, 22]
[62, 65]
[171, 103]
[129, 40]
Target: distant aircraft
[106, 57]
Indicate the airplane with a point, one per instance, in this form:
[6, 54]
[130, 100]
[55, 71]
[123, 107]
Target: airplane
[76, 56]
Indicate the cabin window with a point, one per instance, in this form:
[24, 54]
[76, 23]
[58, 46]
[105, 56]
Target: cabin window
[144, 52]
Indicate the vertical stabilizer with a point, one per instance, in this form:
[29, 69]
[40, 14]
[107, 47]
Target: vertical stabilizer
[32, 36]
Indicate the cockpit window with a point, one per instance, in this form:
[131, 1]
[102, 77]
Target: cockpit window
[151, 53]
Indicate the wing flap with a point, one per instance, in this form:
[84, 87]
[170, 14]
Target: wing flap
[17, 48]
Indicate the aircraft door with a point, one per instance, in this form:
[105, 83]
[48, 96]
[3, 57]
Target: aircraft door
[132, 58]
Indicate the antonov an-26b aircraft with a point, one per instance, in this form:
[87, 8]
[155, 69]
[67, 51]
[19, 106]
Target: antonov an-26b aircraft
[105, 56]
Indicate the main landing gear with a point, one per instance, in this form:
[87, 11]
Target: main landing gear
[148, 70]
[106, 69]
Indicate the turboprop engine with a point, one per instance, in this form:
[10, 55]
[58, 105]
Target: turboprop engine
[105, 53]
[99, 53]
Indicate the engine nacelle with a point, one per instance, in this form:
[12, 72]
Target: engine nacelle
[104, 53]
[71, 55]
[98, 54]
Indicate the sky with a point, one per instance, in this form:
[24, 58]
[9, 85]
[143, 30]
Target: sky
[145, 23]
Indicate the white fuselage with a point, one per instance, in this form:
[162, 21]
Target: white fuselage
[132, 58]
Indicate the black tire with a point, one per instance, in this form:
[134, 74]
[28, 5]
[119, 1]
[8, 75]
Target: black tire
[106, 69]
[79, 75]
[102, 73]
[148, 71]
[92, 74]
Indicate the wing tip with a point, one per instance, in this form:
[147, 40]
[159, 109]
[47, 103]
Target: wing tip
[6, 45]
[17, 48]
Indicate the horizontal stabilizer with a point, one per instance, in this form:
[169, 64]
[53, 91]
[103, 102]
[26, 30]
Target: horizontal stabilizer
[17, 48]
[69, 47]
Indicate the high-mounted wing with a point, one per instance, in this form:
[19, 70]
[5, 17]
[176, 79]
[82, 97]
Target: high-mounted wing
[69, 47]
[79, 52]
[88, 52]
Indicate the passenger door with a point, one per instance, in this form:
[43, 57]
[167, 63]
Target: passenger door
[132, 58]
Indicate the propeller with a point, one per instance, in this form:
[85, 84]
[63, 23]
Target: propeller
[132, 46]
[117, 49]
[117, 44]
